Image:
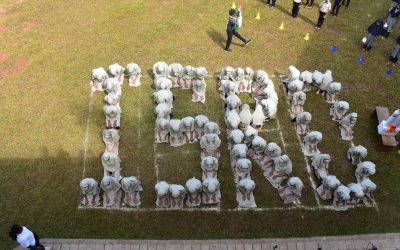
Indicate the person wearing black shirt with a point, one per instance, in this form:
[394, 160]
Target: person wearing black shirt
[336, 7]
[231, 31]
[374, 31]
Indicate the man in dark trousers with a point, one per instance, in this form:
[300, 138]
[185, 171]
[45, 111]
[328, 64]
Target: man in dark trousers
[231, 31]
[374, 31]
[309, 4]
[324, 8]
[336, 7]
[394, 57]
[296, 8]
[271, 3]
[346, 3]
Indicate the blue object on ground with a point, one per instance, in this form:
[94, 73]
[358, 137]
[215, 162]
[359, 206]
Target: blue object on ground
[389, 72]
[333, 49]
[361, 60]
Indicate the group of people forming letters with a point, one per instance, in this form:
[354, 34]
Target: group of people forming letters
[177, 132]
[188, 129]
[112, 183]
[296, 84]
[232, 81]
[176, 76]
[196, 192]
[244, 141]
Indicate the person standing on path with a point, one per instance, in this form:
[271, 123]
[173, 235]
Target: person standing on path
[374, 30]
[394, 57]
[336, 7]
[231, 31]
[25, 237]
[296, 8]
[324, 8]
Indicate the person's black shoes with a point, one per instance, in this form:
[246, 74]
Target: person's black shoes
[248, 42]
[227, 50]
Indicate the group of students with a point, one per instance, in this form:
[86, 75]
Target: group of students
[324, 7]
[383, 27]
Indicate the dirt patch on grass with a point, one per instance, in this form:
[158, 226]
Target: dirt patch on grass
[2, 28]
[3, 12]
[19, 65]
[29, 26]
[3, 56]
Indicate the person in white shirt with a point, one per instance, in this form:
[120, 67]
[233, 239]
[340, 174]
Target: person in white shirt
[25, 237]
[296, 8]
[324, 8]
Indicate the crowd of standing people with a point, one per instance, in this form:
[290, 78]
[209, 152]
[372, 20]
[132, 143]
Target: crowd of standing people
[382, 27]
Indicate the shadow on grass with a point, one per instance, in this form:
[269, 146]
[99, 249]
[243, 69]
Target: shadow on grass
[218, 38]
[302, 17]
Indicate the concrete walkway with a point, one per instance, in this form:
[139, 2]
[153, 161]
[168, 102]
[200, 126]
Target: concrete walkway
[381, 241]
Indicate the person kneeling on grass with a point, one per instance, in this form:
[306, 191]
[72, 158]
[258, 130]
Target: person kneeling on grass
[324, 8]
[394, 57]
[231, 30]
[374, 30]
[25, 237]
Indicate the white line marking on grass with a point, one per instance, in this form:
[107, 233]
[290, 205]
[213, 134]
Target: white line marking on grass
[313, 185]
[281, 134]
[139, 138]
[272, 130]
[156, 170]
[238, 209]
[86, 140]
[129, 209]
[375, 205]
[294, 207]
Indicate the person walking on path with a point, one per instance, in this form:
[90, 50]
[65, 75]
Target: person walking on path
[374, 31]
[324, 8]
[336, 7]
[296, 8]
[309, 4]
[231, 31]
[25, 237]
[271, 3]
[394, 57]
[392, 19]
[346, 3]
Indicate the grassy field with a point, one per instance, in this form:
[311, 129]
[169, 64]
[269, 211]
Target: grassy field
[48, 49]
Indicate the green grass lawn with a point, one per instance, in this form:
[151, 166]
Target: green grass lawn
[50, 48]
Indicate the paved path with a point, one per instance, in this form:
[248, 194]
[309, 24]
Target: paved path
[381, 241]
